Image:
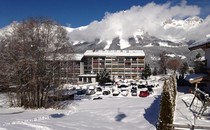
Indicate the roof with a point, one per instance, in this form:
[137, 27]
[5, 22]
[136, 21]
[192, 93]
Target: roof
[112, 53]
[65, 57]
[200, 59]
[87, 75]
[194, 78]
[200, 44]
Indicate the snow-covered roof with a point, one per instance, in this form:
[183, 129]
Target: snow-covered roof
[200, 44]
[74, 57]
[87, 75]
[200, 59]
[193, 77]
[78, 56]
[114, 53]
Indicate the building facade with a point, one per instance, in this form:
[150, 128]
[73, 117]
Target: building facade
[123, 64]
[83, 68]
[65, 68]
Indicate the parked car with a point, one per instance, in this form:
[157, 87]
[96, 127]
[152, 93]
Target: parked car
[123, 86]
[81, 92]
[97, 98]
[133, 84]
[99, 89]
[150, 86]
[108, 85]
[106, 92]
[142, 86]
[150, 90]
[90, 92]
[134, 93]
[115, 93]
[133, 89]
[124, 92]
[143, 94]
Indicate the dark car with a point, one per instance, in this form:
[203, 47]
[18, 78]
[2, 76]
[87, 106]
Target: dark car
[133, 89]
[98, 89]
[97, 98]
[142, 86]
[106, 92]
[81, 92]
[122, 86]
[143, 94]
[150, 90]
[134, 93]
[150, 86]
[133, 84]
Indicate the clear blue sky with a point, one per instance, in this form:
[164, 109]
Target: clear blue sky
[75, 12]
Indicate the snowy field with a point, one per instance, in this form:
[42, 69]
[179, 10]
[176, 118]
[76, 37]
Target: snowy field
[109, 113]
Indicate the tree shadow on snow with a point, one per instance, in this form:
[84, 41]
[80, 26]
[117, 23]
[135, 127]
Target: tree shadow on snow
[120, 116]
[18, 112]
[183, 89]
[151, 113]
[57, 115]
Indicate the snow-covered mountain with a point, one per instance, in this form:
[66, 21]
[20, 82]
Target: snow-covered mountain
[140, 39]
[187, 24]
[88, 37]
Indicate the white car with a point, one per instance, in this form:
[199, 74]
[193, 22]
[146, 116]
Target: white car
[115, 93]
[124, 92]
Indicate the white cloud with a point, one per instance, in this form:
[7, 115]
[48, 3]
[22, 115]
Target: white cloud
[148, 18]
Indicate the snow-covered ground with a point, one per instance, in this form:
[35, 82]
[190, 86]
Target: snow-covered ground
[109, 113]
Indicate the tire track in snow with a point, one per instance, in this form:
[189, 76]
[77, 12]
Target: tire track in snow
[72, 109]
[28, 123]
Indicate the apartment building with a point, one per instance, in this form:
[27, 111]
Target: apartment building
[126, 64]
[83, 68]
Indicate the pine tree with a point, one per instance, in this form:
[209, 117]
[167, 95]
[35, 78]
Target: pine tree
[146, 72]
[162, 63]
[184, 69]
[198, 55]
[103, 77]
[155, 71]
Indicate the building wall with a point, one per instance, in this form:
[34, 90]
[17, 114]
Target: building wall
[64, 71]
[207, 55]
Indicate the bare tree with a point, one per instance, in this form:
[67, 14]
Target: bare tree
[162, 63]
[174, 64]
[24, 57]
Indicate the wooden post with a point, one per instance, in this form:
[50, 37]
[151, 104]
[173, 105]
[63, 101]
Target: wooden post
[196, 86]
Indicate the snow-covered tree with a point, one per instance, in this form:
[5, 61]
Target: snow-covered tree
[24, 54]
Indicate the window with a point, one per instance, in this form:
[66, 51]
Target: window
[134, 59]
